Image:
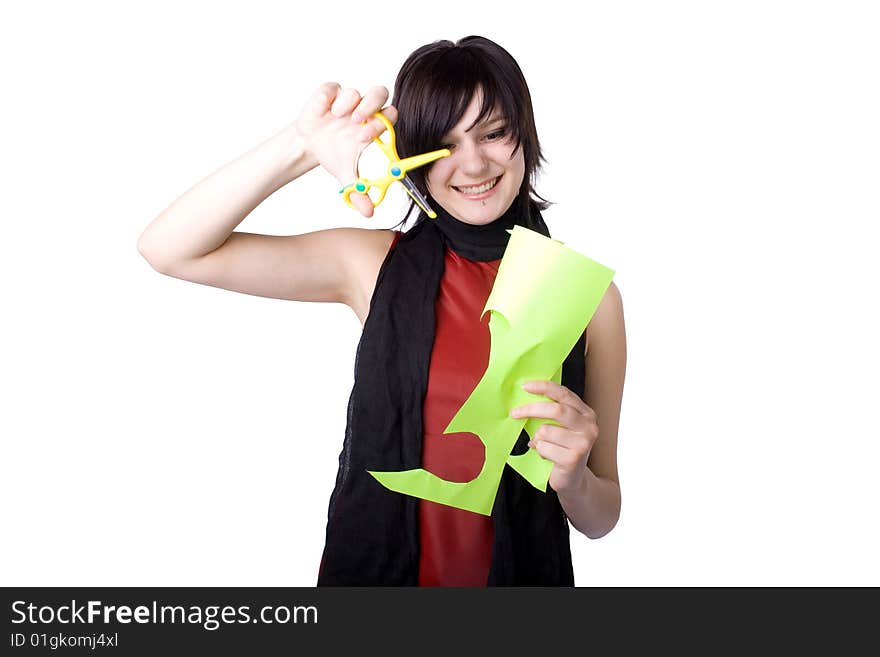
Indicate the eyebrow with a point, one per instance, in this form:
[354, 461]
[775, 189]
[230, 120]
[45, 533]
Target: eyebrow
[497, 119]
[484, 124]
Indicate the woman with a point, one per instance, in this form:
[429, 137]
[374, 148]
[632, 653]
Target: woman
[419, 295]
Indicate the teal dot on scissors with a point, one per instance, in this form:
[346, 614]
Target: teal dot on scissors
[395, 171]
[360, 187]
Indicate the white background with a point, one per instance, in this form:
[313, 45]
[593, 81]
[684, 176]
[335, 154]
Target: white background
[721, 157]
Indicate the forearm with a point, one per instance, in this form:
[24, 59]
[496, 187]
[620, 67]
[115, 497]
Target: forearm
[203, 218]
[595, 509]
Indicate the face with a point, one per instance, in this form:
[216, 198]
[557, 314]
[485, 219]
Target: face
[481, 156]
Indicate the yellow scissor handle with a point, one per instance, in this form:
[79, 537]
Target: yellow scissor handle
[388, 147]
[363, 186]
[408, 164]
[397, 168]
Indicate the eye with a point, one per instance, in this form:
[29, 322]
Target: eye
[497, 134]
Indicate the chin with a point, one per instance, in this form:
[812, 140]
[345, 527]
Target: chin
[482, 215]
[478, 219]
[473, 211]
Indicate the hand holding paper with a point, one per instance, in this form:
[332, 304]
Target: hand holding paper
[543, 298]
[567, 441]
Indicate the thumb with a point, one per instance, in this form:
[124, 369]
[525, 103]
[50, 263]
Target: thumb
[363, 204]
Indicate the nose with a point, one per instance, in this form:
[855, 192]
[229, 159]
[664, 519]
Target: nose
[471, 159]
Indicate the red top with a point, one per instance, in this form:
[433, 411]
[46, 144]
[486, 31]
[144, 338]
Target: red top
[455, 545]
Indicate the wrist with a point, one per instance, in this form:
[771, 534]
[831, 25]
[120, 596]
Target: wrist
[296, 159]
[579, 493]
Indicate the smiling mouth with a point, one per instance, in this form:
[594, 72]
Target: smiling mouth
[478, 189]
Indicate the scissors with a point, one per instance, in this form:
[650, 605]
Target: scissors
[396, 171]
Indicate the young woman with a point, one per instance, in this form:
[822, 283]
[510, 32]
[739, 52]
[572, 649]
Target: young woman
[419, 295]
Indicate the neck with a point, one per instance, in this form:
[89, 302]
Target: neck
[483, 242]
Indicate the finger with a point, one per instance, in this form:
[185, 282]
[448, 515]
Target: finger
[345, 102]
[578, 443]
[370, 104]
[562, 413]
[556, 392]
[374, 127]
[363, 204]
[320, 101]
[557, 435]
[559, 455]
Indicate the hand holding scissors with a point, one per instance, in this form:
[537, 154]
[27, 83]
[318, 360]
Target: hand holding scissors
[397, 170]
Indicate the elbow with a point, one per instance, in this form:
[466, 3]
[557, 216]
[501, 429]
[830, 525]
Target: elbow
[143, 248]
[150, 256]
[611, 519]
[145, 254]
[595, 535]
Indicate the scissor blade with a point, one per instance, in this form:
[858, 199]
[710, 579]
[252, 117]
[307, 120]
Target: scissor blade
[416, 196]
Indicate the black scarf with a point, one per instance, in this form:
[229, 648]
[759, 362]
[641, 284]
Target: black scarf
[372, 532]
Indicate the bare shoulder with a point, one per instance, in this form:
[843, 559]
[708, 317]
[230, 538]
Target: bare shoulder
[610, 310]
[364, 267]
[358, 253]
[607, 322]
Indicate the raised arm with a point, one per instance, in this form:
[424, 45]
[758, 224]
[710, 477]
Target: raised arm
[193, 238]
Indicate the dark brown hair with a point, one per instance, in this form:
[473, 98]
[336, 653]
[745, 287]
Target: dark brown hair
[434, 88]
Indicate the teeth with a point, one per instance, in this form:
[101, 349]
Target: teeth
[478, 190]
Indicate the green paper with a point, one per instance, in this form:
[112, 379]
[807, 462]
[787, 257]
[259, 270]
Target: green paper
[544, 296]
